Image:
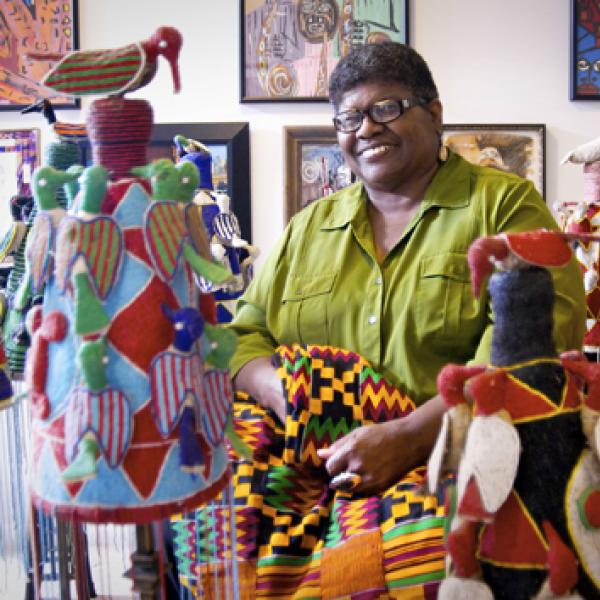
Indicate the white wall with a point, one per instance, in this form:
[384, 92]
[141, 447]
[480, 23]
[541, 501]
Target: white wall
[496, 61]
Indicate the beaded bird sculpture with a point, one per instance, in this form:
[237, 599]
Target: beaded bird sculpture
[65, 132]
[522, 434]
[173, 188]
[113, 71]
[42, 238]
[89, 253]
[90, 420]
[191, 387]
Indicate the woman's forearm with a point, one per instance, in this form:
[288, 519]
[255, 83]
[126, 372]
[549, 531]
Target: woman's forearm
[259, 378]
[423, 426]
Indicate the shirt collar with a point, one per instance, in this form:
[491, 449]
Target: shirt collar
[449, 188]
[349, 206]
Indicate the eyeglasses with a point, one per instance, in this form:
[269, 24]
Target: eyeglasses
[383, 111]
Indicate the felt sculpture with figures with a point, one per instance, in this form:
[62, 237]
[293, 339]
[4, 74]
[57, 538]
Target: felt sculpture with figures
[127, 373]
[523, 434]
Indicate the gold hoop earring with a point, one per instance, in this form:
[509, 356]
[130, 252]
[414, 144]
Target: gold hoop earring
[443, 153]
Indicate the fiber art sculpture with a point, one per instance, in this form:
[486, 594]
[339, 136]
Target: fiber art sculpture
[223, 235]
[523, 435]
[21, 291]
[583, 216]
[127, 372]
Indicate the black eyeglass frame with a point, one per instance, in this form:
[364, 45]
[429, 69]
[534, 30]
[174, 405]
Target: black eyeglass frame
[404, 104]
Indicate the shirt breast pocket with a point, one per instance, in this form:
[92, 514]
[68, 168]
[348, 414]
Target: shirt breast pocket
[306, 300]
[443, 298]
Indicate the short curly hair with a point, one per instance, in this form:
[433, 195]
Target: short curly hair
[385, 62]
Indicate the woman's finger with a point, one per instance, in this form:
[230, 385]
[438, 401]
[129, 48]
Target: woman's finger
[337, 461]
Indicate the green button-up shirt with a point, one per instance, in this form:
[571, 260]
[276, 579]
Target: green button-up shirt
[414, 313]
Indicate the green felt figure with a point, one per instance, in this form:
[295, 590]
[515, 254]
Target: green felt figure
[217, 347]
[173, 185]
[169, 181]
[91, 359]
[221, 345]
[72, 187]
[90, 316]
[41, 240]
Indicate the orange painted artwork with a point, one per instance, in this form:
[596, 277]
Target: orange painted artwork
[27, 26]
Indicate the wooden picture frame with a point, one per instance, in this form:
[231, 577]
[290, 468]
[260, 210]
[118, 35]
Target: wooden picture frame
[230, 148]
[51, 26]
[314, 166]
[519, 149]
[584, 65]
[288, 50]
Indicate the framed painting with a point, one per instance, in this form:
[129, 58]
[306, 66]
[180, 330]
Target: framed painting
[288, 49]
[314, 166]
[519, 149]
[585, 50]
[229, 145]
[50, 26]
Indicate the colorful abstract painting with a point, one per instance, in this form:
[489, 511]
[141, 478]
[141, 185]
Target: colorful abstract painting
[290, 47]
[323, 171]
[585, 50]
[315, 166]
[48, 26]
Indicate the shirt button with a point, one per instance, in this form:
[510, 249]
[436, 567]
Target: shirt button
[379, 281]
[372, 320]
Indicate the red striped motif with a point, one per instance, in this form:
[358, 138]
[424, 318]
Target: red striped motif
[218, 399]
[164, 224]
[106, 414]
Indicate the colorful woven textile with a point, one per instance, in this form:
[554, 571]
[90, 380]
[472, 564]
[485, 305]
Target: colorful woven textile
[296, 537]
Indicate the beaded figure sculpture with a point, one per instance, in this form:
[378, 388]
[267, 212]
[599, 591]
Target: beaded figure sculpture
[584, 217]
[125, 428]
[6, 391]
[523, 435]
[223, 230]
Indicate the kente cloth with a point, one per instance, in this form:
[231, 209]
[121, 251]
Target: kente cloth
[296, 536]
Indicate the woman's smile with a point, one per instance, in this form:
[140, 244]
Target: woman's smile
[375, 152]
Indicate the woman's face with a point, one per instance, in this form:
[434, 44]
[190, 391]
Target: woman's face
[387, 156]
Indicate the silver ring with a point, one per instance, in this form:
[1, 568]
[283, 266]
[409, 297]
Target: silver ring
[345, 481]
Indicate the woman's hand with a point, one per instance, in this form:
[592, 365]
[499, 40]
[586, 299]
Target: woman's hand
[383, 453]
[259, 378]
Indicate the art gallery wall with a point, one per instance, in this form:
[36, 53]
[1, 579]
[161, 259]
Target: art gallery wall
[498, 61]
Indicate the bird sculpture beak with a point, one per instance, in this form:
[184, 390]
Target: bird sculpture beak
[479, 258]
[175, 74]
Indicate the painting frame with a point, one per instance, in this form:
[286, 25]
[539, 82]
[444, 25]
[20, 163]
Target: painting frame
[57, 33]
[282, 69]
[507, 147]
[235, 136]
[584, 51]
[296, 137]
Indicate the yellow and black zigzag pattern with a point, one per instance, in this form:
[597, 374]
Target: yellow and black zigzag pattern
[286, 515]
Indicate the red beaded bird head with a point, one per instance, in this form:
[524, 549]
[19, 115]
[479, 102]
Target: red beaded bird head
[505, 251]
